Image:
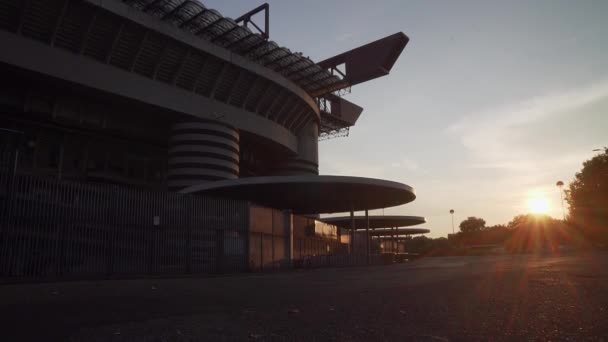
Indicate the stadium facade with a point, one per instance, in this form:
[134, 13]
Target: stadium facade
[170, 103]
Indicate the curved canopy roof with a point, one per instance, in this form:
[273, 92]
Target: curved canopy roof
[311, 194]
[379, 221]
[398, 232]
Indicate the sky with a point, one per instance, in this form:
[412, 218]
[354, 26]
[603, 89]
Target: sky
[489, 105]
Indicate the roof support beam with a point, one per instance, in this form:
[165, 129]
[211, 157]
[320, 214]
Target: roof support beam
[309, 76]
[173, 11]
[266, 53]
[285, 107]
[239, 79]
[116, 38]
[88, 32]
[142, 42]
[303, 119]
[218, 79]
[295, 62]
[236, 42]
[253, 48]
[246, 19]
[199, 74]
[58, 21]
[24, 5]
[306, 67]
[328, 88]
[161, 56]
[193, 18]
[222, 35]
[274, 101]
[312, 81]
[206, 28]
[151, 5]
[275, 61]
[180, 66]
[255, 83]
[295, 116]
[263, 97]
[297, 128]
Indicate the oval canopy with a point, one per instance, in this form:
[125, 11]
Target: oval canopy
[376, 221]
[398, 232]
[311, 194]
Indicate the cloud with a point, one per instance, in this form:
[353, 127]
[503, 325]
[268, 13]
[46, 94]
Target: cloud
[344, 37]
[498, 138]
[406, 164]
[345, 167]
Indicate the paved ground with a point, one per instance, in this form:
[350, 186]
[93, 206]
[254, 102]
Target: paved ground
[434, 299]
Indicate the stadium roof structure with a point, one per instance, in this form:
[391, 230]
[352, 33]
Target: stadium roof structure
[311, 194]
[321, 80]
[376, 221]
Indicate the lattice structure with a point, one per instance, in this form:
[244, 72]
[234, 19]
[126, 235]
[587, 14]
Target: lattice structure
[339, 133]
[210, 25]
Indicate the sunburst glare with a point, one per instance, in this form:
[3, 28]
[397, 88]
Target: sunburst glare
[538, 205]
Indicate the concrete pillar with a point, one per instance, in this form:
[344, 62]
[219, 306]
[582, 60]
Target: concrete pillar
[367, 244]
[338, 236]
[371, 239]
[306, 162]
[352, 232]
[202, 151]
[288, 224]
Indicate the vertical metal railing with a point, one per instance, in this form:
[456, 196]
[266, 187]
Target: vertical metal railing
[52, 228]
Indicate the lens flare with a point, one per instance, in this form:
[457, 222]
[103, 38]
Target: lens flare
[538, 205]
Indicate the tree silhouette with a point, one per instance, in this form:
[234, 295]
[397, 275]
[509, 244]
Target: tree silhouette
[538, 233]
[472, 224]
[588, 198]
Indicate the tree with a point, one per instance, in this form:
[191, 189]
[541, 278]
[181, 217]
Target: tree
[588, 198]
[518, 221]
[472, 224]
[536, 233]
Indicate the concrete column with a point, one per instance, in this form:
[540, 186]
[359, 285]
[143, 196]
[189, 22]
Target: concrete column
[306, 162]
[288, 219]
[367, 245]
[202, 151]
[338, 236]
[352, 232]
[371, 238]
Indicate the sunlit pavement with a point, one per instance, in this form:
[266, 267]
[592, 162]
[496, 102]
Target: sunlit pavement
[434, 299]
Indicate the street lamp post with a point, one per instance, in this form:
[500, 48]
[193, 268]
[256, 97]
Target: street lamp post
[452, 213]
[560, 185]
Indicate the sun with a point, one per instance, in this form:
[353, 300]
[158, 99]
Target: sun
[538, 205]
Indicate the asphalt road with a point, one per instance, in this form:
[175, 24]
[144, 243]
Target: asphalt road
[435, 299]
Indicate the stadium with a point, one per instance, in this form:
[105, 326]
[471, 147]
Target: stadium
[158, 136]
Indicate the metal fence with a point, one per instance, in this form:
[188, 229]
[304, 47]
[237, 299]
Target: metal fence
[52, 228]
